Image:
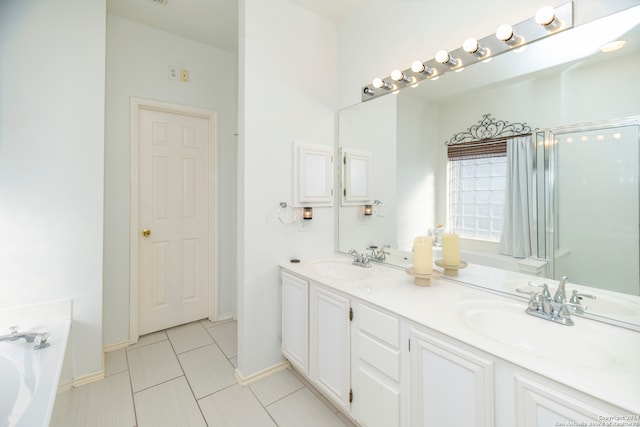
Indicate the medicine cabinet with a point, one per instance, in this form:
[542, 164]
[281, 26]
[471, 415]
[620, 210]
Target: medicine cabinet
[313, 183]
[356, 176]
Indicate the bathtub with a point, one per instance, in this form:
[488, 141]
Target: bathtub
[29, 377]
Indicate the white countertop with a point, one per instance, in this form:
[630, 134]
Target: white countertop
[602, 360]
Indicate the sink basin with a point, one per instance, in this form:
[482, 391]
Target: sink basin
[508, 324]
[342, 269]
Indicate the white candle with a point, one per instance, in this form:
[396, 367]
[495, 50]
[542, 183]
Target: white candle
[450, 249]
[423, 255]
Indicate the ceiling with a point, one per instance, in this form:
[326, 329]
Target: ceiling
[212, 22]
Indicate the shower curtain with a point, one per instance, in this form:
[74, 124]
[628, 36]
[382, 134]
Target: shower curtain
[516, 232]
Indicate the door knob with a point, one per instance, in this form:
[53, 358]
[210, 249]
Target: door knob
[146, 232]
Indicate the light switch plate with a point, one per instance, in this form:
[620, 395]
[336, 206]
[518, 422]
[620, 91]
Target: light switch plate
[173, 72]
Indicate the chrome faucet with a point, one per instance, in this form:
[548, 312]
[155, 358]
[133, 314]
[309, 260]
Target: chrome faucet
[40, 338]
[378, 253]
[361, 260]
[542, 305]
[561, 295]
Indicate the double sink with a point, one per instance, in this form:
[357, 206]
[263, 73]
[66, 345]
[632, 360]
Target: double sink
[504, 321]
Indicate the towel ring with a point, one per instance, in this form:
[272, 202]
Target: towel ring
[286, 214]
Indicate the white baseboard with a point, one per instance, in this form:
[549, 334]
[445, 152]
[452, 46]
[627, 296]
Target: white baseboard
[117, 346]
[243, 381]
[80, 381]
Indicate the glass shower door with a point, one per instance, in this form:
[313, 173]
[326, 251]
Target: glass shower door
[593, 227]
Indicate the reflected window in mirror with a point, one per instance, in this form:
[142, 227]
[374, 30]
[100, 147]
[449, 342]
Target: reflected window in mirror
[489, 186]
[476, 197]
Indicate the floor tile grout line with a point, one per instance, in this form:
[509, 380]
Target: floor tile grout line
[283, 397]
[176, 354]
[133, 401]
[193, 394]
[263, 406]
[197, 401]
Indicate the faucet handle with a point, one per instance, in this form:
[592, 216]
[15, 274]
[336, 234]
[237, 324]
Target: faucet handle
[534, 301]
[575, 308]
[42, 341]
[14, 329]
[576, 296]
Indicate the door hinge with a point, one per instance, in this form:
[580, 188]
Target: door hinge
[350, 314]
[409, 344]
[344, 160]
[345, 192]
[350, 395]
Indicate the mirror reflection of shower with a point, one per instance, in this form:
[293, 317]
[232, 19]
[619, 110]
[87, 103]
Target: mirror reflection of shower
[592, 215]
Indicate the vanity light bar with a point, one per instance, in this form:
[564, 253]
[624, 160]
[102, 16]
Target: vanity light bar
[529, 31]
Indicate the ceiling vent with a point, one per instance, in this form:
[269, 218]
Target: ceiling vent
[162, 2]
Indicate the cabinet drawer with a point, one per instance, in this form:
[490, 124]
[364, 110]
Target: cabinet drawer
[379, 356]
[380, 325]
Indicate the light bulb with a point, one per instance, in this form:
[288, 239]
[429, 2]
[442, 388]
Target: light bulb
[504, 32]
[417, 67]
[379, 83]
[470, 45]
[443, 57]
[399, 76]
[546, 16]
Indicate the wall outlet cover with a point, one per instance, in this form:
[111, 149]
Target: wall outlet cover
[184, 75]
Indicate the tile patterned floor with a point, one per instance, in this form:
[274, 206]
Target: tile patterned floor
[184, 377]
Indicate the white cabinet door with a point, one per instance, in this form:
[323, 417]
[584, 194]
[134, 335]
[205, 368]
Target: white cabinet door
[450, 386]
[329, 345]
[540, 403]
[295, 321]
[313, 184]
[377, 368]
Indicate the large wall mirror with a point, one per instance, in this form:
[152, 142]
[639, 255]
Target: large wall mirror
[584, 107]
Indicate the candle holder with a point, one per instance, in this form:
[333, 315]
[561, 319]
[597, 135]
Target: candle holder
[451, 270]
[423, 280]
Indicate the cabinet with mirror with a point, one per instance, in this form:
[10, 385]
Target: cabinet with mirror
[580, 102]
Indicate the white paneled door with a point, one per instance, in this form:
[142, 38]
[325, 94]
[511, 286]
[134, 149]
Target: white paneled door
[174, 193]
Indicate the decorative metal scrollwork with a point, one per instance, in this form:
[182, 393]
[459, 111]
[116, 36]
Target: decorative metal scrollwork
[489, 128]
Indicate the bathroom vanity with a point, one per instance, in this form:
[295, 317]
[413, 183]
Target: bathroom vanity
[389, 353]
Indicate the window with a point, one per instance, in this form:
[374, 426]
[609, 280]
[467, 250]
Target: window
[476, 196]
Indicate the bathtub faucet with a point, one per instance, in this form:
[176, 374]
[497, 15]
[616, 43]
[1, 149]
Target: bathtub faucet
[40, 338]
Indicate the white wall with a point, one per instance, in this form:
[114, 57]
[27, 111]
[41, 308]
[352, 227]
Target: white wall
[287, 92]
[51, 162]
[371, 128]
[138, 58]
[417, 177]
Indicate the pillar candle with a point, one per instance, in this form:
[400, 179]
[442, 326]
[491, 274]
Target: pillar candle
[450, 249]
[423, 255]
